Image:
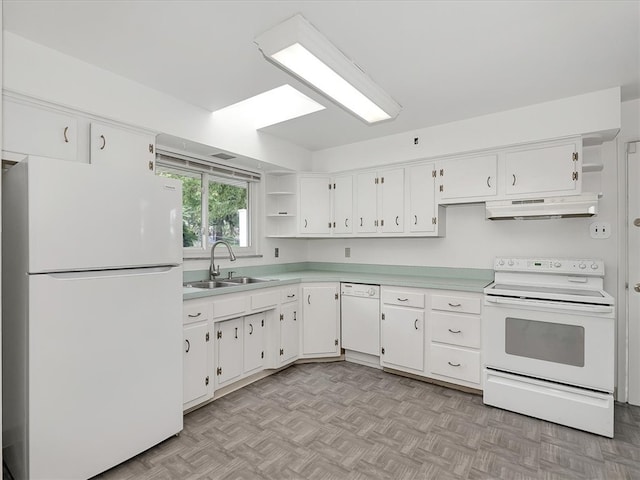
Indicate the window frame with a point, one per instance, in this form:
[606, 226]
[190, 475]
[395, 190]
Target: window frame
[214, 172]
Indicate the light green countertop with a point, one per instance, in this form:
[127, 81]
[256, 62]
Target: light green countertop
[439, 278]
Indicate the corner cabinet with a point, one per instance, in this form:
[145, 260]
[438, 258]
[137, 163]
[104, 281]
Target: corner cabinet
[320, 320]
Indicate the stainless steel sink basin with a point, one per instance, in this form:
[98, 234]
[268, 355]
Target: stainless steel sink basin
[207, 284]
[245, 280]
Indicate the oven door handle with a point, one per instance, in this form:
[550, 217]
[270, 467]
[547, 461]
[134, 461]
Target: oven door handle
[555, 306]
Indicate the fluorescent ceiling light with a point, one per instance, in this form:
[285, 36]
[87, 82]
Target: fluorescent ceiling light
[298, 48]
[268, 108]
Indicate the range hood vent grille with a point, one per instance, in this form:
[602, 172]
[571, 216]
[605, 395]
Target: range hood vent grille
[584, 205]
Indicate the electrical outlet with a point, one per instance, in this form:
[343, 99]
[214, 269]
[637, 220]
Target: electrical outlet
[600, 230]
[276, 252]
[347, 252]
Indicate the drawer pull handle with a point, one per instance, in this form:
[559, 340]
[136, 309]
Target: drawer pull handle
[291, 296]
[415, 222]
[514, 179]
[403, 299]
[104, 142]
[454, 304]
[360, 221]
[251, 327]
[188, 346]
[346, 223]
[489, 181]
[415, 324]
[236, 332]
[455, 331]
[397, 218]
[454, 364]
[195, 316]
[66, 139]
[309, 299]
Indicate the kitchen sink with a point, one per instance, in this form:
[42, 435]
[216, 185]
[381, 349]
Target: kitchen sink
[245, 280]
[207, 284]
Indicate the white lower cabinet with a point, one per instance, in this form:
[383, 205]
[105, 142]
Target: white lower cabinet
[197, 353]
[289, 335]
[320, 320]
[253, 342]
[454, 338]
[195, 362]
[402, 332]
[229, 351]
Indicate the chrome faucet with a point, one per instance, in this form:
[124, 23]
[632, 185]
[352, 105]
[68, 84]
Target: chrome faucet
[213, 270]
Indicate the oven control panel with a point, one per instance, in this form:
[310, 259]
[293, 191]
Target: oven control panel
[570, 266]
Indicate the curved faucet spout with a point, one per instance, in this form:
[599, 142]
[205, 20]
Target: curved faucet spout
[213, 270]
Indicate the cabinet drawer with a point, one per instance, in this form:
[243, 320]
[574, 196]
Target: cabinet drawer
[265, 299]
[463, 330]
[455, 363]
[456, 303]
[289, 294]
[228, 307]
[403, 297]
[196, 313]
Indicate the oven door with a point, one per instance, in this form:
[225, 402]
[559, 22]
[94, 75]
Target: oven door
[567, 343]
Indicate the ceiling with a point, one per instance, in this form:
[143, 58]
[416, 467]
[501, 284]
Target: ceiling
[441, 60]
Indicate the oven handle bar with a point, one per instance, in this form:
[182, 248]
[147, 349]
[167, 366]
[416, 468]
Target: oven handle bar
[555, 306]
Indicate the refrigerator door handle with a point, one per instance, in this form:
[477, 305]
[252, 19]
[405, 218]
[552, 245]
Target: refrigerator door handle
[125, 272]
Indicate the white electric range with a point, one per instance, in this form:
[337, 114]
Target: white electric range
[549, 341]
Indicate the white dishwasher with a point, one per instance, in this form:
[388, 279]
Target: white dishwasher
[360, 315]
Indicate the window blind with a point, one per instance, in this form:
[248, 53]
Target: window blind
[186, 162]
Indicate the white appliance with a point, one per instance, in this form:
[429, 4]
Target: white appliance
[360, 320]
[583, 205]
[549, 341]
[92, 301]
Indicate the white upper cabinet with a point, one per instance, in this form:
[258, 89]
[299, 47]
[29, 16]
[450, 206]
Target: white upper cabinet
[422, 206]
[315, 205]
[391, 200]
[544, 170]
[342, 188]
[125, 149]
[31, 130]
[366, 203]
[380, 202]
[467, 179]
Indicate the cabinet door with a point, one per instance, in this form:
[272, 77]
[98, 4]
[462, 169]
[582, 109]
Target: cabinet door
[122, 148]
[467, 179]
[253, 342]
[366, 203]
[289, 333]
[195, 361]
[315, 205]
[422, 214]
[229, 351]
[320, 320]
[37, 131]
[343, 204]
[543, 170]
[402, 337]
[391, 194]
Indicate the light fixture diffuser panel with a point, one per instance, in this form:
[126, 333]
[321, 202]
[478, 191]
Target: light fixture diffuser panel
[301, 50]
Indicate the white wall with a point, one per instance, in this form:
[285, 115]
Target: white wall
[579, 115]
[40, 72]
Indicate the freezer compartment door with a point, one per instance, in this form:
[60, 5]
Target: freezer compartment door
[105, 368]
[86, 217]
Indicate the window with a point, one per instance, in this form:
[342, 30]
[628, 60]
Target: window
[216, 204]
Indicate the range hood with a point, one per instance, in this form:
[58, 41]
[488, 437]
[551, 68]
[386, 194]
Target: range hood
[584, 205]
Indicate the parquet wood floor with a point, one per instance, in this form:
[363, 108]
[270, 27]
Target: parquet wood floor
[346, 421]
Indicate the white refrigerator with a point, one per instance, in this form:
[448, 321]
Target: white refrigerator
[92, 299]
